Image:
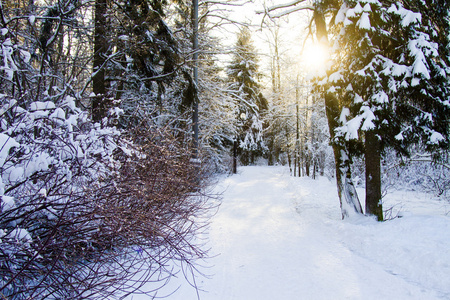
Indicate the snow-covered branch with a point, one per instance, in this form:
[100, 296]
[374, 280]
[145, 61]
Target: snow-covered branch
[289, 7]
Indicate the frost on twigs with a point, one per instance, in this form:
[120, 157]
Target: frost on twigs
[91, 212]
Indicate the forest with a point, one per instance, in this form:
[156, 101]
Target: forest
[117, 117]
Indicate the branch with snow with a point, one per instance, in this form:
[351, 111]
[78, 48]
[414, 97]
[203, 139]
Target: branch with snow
[287, 8]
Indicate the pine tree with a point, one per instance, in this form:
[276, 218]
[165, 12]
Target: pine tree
[144, 70]
[388, 86]
[391, 80]
[244, 76]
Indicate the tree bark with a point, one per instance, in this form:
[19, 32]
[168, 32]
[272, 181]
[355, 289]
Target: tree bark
[348, 197]
[373, 176]
[100, 49]
[307, 165]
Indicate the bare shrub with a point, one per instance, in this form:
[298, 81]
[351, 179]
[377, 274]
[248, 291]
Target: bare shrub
[90, 212]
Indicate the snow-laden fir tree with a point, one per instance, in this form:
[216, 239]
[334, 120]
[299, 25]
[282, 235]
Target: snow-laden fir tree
[147, 71]
[244, 76]
[390, 75]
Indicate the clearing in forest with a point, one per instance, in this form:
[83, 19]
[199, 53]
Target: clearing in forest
[280, 237]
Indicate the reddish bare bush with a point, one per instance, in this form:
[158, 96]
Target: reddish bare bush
[96, 224]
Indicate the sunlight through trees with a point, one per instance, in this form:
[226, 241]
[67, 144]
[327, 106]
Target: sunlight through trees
[97, 163]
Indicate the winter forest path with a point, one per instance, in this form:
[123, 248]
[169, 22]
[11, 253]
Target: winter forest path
[279, 237]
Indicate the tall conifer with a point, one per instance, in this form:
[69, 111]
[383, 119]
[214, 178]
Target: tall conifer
[244, 77]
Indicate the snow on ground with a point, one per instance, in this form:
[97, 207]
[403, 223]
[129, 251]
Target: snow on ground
[280, 237]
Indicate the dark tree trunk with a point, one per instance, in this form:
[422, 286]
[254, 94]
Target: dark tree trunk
[295, 164]
[100, 49]
[314, 169]
[289, 161]
[373, 176]
[271, 152]
[235, 156]
[301, 161]
[307, 165]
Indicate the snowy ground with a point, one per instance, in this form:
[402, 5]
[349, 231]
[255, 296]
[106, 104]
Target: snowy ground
[279, 237]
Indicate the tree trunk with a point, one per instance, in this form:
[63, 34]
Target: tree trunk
[295, 164]
[235, 156]
[348, 196]
[373, 176]
[289, 161]
[314, 169]
[100, 49]
[307, 162]
[300, 168]
[301, 162]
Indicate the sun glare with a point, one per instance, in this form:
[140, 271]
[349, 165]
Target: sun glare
[315, 57]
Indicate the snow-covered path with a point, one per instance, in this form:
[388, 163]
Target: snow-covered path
[279, 237]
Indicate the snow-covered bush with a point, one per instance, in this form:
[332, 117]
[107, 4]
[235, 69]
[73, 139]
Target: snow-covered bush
[85, 208]
[418, 173]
